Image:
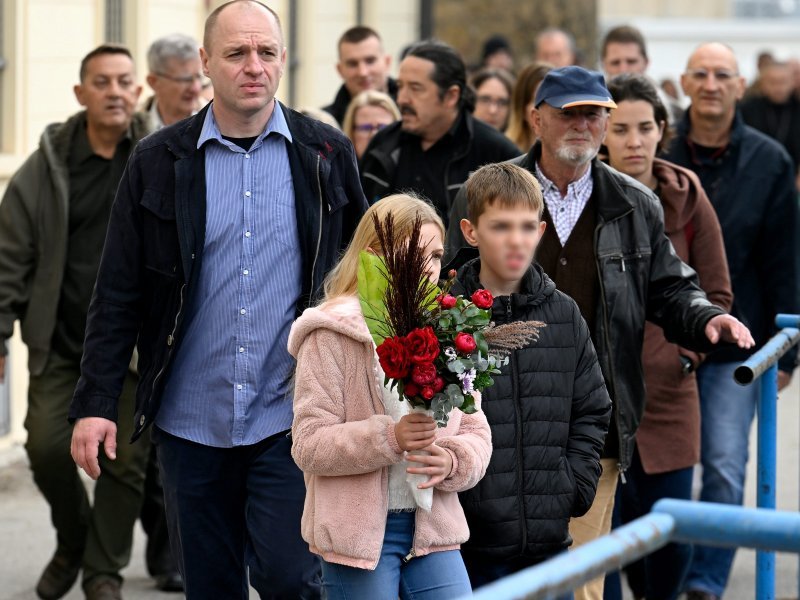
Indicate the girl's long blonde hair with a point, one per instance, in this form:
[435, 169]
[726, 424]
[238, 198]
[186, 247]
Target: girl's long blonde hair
[343, 279]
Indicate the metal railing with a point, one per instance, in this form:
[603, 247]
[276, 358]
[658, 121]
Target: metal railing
[762, 528]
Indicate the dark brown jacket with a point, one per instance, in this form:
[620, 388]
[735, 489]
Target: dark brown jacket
[669, 434]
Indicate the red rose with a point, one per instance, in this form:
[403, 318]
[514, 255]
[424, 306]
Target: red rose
[422, 345]
[427, 392]
[465, 343]
[394, 359]
[451, 274]
[447, 301]
[483, 299]
[438, 384]
[424, 374]
[410, 389]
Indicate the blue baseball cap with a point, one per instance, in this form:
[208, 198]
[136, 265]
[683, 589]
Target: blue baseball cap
[573, 86]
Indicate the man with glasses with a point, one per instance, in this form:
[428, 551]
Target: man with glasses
[750, 182]
[176, 79]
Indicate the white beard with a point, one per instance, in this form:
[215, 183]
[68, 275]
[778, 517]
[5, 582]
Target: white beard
[575, 156]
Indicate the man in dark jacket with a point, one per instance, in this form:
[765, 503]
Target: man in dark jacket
[605, 246]
[438, 143]
[549, 408]
[53, 221]
[749, 179]
[363, 65]
[223, 228]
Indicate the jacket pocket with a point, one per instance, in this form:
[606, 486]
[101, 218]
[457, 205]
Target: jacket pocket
[160, 247]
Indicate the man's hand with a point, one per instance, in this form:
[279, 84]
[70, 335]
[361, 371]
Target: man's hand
[87, 435]
[438, 465]
[784, 379]
[726, 328]
[415, 431]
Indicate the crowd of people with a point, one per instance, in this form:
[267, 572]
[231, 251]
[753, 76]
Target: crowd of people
[185, 270]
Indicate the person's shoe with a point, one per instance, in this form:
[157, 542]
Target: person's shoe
[59, 575]
[102, 588]
[169, 582]
[700, 595]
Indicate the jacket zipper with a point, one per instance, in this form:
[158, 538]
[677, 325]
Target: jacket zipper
[518, 415]
[319, 234]
[170, 342]
[413, 553]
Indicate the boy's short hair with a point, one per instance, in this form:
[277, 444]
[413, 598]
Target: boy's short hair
[504, 183]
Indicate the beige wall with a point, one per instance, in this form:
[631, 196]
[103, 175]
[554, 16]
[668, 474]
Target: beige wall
[688, 9]
[46, 39]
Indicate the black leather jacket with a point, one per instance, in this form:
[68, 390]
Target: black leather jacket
[154, 249]
[641, 279]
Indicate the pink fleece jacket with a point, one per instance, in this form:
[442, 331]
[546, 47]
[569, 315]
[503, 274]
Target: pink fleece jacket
[344, 443]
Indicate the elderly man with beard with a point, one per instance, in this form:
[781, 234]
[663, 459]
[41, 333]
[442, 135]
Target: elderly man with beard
[438, 143]
[605, 246]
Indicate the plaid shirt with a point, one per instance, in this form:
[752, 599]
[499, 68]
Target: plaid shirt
[565, 210]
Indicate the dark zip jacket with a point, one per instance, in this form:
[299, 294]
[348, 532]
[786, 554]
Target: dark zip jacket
[154, 250]
[641, 279]
[338, 108]
[548, 411]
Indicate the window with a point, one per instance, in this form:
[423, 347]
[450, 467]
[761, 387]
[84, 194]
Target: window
[115, 21]
[766, 9]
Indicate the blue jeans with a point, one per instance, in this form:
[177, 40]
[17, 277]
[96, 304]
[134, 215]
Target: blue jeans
[727, 411]
[230, 510]
[483, 571]
[660, 575]
[436, 576]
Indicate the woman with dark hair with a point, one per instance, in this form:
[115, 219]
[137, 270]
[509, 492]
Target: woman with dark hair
[520, 128]
[668, 438]
[492, 96]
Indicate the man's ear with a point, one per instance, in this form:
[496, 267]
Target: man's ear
[452, 95]
[468, 231]
[78, 90]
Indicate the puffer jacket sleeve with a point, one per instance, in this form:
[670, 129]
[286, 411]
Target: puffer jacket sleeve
[323, 442]
[471, 449]
[591, 412]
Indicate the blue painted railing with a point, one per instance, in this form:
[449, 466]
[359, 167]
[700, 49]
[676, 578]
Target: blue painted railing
[763, 528]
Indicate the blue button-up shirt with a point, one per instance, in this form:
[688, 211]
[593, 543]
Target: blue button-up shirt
[230, 383]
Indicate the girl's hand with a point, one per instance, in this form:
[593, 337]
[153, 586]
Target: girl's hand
[415, 431]
[438, 465]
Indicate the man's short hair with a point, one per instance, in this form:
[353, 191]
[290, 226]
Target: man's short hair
[550, 31]
[506, 184]
[211, 21]
[356, 35]
[624, 34]
[176, 46]
[100, 51]
[448, 69]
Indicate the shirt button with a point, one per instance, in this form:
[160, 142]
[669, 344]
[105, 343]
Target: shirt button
[247, 193]
[243, 312]
[241, 349]
[563, 261]
[247, 234]
[239, 386]
[562, 209]
[247, 156]
[246, 272]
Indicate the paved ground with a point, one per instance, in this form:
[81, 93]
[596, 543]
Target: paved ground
[27, 540]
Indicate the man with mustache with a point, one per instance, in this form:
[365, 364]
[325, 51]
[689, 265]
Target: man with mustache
[605, 246]
[223, 230]
[53, 221]
[438, 143]
[749, 179]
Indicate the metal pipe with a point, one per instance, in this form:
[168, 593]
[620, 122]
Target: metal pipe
[767, 462]
[569, 570]
[769, 354]
[783, 320]
[726, 525]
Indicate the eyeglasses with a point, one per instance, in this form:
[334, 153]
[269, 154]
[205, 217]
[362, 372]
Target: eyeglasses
[721, 75]
[498, 102]
[184, 79]
[369, 128]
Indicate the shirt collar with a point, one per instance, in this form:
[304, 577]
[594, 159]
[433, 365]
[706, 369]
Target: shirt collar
[276, 124]
[548, 185]
[81, 148]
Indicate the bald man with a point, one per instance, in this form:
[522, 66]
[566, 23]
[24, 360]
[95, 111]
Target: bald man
[749, 179]
[223, 229]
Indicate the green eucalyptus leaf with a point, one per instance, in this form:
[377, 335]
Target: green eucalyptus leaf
[456, 366]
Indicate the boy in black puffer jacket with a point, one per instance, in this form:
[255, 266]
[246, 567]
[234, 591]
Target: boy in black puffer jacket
[549, 409]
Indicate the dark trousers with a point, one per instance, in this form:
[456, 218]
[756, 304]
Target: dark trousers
[660, 575]
[483, 571]
[234, 509]
[103, 533]
[158, 554]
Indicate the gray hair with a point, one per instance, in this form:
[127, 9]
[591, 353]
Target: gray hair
[174, 46]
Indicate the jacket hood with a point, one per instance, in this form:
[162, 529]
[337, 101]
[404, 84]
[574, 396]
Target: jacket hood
[342, 315]
[679, 191]
[535, 287]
